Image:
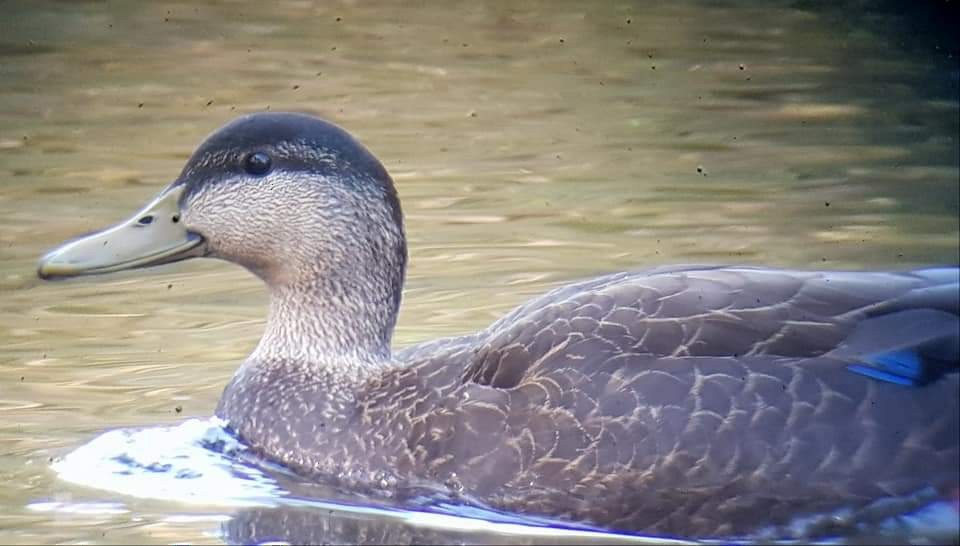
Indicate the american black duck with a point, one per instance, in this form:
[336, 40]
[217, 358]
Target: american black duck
[695, 400]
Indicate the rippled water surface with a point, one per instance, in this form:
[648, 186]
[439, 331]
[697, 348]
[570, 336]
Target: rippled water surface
[532, 143]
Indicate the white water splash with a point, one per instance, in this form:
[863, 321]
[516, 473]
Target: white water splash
[193, 462]
[199, 463]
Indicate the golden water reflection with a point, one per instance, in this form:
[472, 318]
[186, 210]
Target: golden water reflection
[532, 144]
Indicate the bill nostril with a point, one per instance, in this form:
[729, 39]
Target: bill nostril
[146, 220]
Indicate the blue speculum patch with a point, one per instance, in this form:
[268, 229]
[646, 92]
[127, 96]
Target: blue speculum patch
[903, 367]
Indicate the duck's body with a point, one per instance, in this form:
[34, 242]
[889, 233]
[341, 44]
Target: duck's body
[699, 401]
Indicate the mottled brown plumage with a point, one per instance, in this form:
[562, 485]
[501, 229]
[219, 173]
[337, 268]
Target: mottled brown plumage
[698, 401]
[631, 402]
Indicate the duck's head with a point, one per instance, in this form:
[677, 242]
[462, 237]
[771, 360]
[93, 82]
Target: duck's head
[294, 199]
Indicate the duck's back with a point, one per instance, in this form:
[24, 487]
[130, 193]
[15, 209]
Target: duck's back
[699, 401]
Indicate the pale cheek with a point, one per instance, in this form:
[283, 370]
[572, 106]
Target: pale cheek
[244, 239]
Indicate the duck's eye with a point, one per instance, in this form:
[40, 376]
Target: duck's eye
[257, 163]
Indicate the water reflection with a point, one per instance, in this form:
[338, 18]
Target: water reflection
[313, 526]
[523, 138]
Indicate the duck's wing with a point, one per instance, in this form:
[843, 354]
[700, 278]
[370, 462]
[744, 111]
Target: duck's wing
[704, 400]
[889, 321]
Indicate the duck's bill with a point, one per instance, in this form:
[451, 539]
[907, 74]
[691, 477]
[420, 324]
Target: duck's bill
[153, 236]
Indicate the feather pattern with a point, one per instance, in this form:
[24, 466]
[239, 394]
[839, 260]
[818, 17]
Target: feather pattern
[690, 400]
[675, 400]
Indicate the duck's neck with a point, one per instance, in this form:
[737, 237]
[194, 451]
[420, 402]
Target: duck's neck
[323, 325]
[335, 294]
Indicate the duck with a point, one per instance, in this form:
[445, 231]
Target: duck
[692, 400]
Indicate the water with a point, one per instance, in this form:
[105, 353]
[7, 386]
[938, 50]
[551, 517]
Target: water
[202, 466]
[532, 144]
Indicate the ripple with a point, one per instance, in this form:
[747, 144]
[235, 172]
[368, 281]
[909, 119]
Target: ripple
[170, 463]
[198, 462]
